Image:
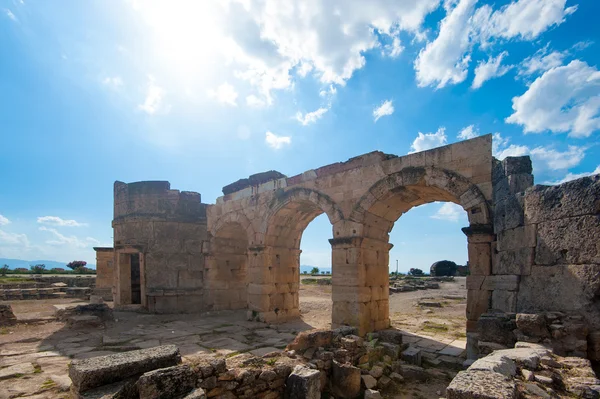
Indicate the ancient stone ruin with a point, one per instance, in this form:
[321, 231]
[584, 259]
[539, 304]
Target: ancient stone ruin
[534, 257]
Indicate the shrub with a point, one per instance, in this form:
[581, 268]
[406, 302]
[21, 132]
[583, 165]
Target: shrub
[37, 269]
[314, 270]
[78, 266]
[3, 270]
[415, 272]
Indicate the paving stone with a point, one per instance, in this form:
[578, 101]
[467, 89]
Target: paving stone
[452, 351]
[260, 352]
[16, 370]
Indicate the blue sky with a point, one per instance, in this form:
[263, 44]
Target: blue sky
[204, 93]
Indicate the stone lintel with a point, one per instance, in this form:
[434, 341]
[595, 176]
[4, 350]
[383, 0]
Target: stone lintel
[104, 249]
[479, 230]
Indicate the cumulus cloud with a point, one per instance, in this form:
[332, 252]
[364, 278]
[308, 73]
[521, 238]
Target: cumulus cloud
[330, 91]
[541, 62]
[61, 239]
[489, 69]
[386, 108]
[4, 220]
[426, 141]
[563, 99]
[542, 157]
[153, 101]
[277, 142]
[311, 117]
[450, 212]
[57, 221]
[254, 101]
[393, 49]
[226, 94]
[15, 239]
[446, 59]
[573, 176]
[469, 132]
[113, 82]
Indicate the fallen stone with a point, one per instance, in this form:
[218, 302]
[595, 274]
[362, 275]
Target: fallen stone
[102, 311]
[384, 382]
[397, 377]
[542, 379]
[376, 371]
[412, 355]
[391, 350]
[372, 394]
[123, 389]
[303, 382]
[168, 382]
[527, 375]
[430, 304]
[345, 380]
[97, 371]
[390, 335]
[84, 321]
[311, 339]
[477, 384]
[369, 381]
[533, 325]
[414, 373]
[7, 317]
[496, 363]
[524, 357]
[537, 391]
[197, 393]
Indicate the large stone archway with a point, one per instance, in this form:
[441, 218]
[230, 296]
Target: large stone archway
[248, 243]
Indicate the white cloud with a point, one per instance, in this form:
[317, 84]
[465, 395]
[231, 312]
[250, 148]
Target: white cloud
[450, 212]
[311, 117]
[57, 221]
[563, 99]
[543, 158]
[154, 97]
[331, 91]
[386, 108]
[4, 220]
[277, 142]
[426, 141]
[13, 239]
[573, 176]
[114, 82]
[489, 69]
[225, 94]
[541, 62]
[60, 239]
[393, 49]
[444, 60]
[304, 69]
[10, 14]
[524, 19]
[469, 132]
[254, 101]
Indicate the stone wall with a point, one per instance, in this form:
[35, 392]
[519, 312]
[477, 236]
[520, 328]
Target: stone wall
[166, 229]
[104, 272]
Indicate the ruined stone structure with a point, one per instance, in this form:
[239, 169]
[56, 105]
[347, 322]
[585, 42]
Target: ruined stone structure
[176, 254]
[104, 272]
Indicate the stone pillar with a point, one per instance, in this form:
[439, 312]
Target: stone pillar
[261, 283]
[360, 283]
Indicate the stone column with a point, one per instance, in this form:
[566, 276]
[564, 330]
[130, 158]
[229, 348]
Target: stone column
[360, 283]
[261, 282]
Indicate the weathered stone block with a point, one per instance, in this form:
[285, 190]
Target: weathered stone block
[7, 317]
[501, 282]
[480, 259]
[508, 212]
[478, 302]
[575, 198]
[517, 165]
[519, 237]
[412, 355]
[517, 262]
[390, 335]
[345, 380]
[533, 325]
[568, 241]
[505, 301]
[481, 385]
[302, 383]
[166, 383]
[102, 370]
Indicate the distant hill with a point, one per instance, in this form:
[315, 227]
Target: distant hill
[308, 268]
[50, 264]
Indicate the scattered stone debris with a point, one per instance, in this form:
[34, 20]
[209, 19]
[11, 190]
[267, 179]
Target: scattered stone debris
[7, 317]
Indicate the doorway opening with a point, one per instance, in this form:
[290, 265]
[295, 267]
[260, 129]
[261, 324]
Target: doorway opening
[136, 290]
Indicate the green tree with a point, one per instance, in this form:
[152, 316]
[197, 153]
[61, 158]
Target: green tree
[78, 266]
[3, 270]
[415, 272]
[314, 270]
[37, 269]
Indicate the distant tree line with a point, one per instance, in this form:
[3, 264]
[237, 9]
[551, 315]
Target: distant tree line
[77, 267]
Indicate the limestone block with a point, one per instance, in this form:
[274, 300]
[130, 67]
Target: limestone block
[345, 380]
[475, 282]
[480, 259]
[412, 355]
[533, 325]
[519, 237]
[519, 182]
[517, 165]
[351, 294]
[516, 262]
[508, 212]
[260, 289]
[575, 198]
[478, 384]
[259, 303]
[173, 381]
[503, 282]
[568, 241]
[565, 288]
[478, 302]
[505, 301]
[303, 383]
[497, 364]
[94, 372]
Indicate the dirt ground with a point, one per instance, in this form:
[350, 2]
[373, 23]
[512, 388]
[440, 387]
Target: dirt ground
[43, 347]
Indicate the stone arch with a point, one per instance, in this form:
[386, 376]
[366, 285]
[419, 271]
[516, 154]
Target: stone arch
[397, 193]
[235, 217]
[226, 267]
[289, 213]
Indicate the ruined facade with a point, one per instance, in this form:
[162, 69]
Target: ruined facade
[104, 272]
[175, 254]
